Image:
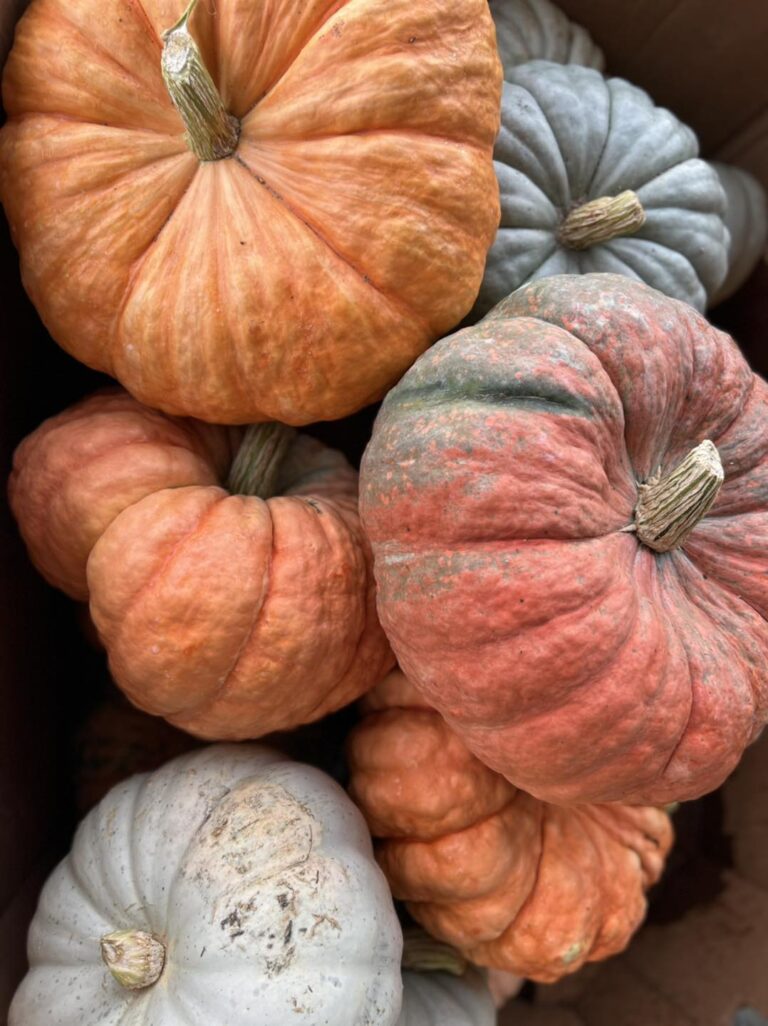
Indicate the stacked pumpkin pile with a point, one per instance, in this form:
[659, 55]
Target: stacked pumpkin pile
[259, 215]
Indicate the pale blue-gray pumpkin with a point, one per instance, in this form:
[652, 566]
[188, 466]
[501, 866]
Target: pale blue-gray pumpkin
[746, 215]
[528, 30]
[595, 177]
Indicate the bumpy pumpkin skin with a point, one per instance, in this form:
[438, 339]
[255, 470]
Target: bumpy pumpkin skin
[514, 883]
[570, 137]
[528, 30]
[229, 615]
[296, 279]
[257, 876]
[499, 491]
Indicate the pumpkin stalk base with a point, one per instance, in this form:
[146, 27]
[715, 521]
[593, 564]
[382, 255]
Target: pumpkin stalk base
[671, 506]
[256, 467]
[134, 957]
[212, 132]
[601, 220]
[422, 954]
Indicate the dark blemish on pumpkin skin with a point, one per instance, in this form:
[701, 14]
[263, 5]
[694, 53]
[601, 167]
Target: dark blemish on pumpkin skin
[233, 919]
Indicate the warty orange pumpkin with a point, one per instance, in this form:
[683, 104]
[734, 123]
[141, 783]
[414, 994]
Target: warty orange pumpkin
[228, 575]
[512, 882]
[568, 506]
[286, 256]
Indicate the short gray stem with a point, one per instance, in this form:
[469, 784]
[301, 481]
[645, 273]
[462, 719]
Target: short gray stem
[670, 507]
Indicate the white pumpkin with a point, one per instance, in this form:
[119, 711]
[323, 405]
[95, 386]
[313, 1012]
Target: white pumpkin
[441, 999]
[746, 215]
[595, 177]
[529, 30]
[230, 887]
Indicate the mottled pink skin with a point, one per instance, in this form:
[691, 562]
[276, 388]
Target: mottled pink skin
[501, 475]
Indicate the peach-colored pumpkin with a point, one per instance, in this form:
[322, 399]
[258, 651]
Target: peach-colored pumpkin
[512, 882]
[296, 277]
[229, 614]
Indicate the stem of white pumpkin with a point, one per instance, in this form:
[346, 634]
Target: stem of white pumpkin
[601, 220]
[212, 132]
[670, 507]
[422, 953]
[256, 466]
[135, 958]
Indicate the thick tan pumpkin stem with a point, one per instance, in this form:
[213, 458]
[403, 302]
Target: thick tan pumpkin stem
[135, 958]
[669, 507]
[423, 954]
[601, 220]
[256, 466]
[212, 132]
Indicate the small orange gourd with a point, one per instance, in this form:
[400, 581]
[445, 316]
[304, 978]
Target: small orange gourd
[227, 572]
[513, 882]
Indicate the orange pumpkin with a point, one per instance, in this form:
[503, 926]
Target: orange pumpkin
[512, 882]
[287, 257]
[229, 614]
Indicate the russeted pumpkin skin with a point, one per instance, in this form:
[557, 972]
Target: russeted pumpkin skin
[229, 614]
[229, 887]
[512, 882]
[594, 177]
[506, 490]
[287, 265]
[528, 30]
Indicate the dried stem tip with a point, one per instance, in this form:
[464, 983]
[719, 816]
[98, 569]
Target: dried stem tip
[135, 958]
[670, 507]
[601, 220]
[212, 133]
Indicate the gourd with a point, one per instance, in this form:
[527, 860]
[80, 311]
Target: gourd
[595, 178]
[538, 30]
[512, 882]
[230, 886]
[228, 575]
[746, 217]
[568, 507]
[248, 211]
